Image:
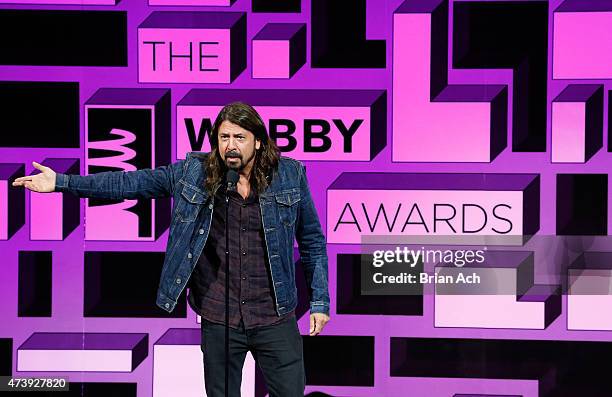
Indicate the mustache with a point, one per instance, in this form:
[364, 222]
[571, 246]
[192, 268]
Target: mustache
[232, 154]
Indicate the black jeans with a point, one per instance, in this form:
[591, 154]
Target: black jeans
[277, 349]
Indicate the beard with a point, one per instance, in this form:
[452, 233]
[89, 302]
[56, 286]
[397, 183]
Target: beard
[235, 161]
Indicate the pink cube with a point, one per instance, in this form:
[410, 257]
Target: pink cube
[279, 50]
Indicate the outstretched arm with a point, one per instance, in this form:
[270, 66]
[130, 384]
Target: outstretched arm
[146, 183]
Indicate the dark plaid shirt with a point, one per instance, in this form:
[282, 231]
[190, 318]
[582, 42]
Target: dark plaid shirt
[251, 296]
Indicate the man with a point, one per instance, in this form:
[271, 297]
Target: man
[269, 207]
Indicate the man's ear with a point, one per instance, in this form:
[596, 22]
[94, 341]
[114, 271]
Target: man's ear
[257, 144]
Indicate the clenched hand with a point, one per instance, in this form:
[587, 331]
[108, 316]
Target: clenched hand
[42, 183]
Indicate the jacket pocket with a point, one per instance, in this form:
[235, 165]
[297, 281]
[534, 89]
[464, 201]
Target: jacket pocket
[190, 203]
[287, 203]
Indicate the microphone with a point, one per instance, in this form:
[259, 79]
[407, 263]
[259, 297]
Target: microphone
[232, 180]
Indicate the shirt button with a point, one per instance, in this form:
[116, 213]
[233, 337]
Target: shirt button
[178, 280]
[201, 231]
[243, 302]
[243, 252]
[244, 277]
[243, 229]
[189, 255]
[167, 305]
[243, 205]
[210, 206]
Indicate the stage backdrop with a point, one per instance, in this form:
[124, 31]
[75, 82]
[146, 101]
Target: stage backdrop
[415, 119]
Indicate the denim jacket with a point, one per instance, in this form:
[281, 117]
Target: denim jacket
[287, 211]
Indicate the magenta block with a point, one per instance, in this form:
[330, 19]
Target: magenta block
[577, 123]
[581, 40]
[12, 200]
[504, 297]
[491, 208]
[69, 2]
[82, 352]
[226, 3]
[54, 216]
[590, 292]
[178, 366]
[127, 129]
[279, 50]
[433, 121]
[191, 47]
[332, 125]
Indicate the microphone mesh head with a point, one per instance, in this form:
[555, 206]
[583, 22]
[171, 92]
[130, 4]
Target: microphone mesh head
[232, 177]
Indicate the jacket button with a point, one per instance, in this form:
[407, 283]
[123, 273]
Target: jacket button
[210, 206]
[189, 255]
[201, 231]
[167, 305]
[178, 280]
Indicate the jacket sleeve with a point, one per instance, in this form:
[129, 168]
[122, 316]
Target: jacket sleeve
[140, 184]
[312, 247]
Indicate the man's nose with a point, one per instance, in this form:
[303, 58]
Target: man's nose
[231, 144]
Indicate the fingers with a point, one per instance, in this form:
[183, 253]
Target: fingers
[317, 322]
[20, 181]
[39, 166]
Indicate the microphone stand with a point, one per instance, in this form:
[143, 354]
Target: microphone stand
[227, 259]
[231, 179]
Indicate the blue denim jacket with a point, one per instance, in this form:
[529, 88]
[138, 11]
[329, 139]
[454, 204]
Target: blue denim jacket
[287, 211]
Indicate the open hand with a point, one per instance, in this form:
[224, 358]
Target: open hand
[44, 182]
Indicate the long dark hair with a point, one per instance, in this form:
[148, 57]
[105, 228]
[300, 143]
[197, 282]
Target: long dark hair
[266, 157]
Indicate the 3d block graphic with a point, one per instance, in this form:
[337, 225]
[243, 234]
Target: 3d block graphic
[35, 284]
[343, 45]
[56, 105]
[96, 389]
[191, 47]
[54, 216]
[109, 289]
[276, 6]
[87, 38]
[505, 296]
[279, 50]
[582, 204]
[350, 299]
[573, 362]
[340, 125]
[577, 123]
[178, 365]
[433, 121]
[127, 129]
[352, 363]
[75, 2]
[485, 395]
[590, 292]
[12, 200]
[507, 37]
[388, 206]
[83, 352]
[581, 32]
[6, 356]
[191, 2]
